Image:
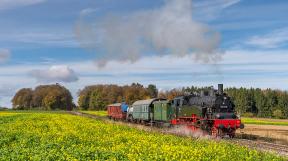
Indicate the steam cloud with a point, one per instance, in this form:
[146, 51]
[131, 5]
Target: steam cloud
[169, 29]
[57, 73]
[4, 55]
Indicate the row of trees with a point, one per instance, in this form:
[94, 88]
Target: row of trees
[261, 103]
[44, 97]
[249, 102]
[97, 97]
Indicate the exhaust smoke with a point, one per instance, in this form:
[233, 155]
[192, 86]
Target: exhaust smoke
[168, 30]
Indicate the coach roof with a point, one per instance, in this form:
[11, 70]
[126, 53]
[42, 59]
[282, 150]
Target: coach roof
[146, 102]
[115, 104]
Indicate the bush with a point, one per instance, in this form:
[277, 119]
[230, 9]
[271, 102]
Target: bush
[248, 114]
[278, 114]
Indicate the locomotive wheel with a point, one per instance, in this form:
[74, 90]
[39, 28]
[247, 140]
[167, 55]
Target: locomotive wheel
[130, 118]
[231, 135]
[214, 132]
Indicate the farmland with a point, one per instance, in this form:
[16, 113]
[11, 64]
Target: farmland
[264, 121]
[97, 113]
[39, 136]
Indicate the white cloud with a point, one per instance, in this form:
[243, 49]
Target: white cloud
[10, 4]
[4, 55]
[57, 73]
[274, 39]
[44, 38]
[87, 11]
[216, 4]
[208, 10]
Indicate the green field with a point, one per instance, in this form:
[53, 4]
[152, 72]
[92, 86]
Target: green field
[263, 121]
[58, 136]
[97, 113]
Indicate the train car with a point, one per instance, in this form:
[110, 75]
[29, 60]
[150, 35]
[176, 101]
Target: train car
[117, 111]
[142, 111]
[163, 113]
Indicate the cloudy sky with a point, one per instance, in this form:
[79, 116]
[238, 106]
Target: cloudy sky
[164, 42]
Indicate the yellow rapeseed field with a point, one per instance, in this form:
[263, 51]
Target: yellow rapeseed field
[97, 113]
[58, 136]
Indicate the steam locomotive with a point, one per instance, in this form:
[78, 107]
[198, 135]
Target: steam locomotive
[211, 111]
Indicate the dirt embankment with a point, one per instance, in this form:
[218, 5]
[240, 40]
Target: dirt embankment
[272, 133]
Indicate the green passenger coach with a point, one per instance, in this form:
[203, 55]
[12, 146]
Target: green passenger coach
[163, 111]
[143, 110]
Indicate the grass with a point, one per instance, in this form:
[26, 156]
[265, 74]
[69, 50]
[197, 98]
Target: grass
[263, 121]
[59, 136]
[97, 113]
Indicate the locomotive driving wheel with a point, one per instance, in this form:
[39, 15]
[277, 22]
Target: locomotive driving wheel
[214, 132]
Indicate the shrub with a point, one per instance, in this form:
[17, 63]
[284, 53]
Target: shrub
[248, 114]
[278, 114]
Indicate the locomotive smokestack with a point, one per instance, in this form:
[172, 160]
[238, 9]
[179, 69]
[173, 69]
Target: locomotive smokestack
[220, 89]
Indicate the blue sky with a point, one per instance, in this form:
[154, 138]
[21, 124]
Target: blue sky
[164, 42]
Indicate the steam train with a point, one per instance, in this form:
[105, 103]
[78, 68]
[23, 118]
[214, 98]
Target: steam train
[210, 111]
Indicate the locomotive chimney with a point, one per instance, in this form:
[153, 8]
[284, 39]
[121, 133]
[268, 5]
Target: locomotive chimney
[220, 89]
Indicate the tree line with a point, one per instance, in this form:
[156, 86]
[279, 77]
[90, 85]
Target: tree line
[97, 97]
[261, 103]
[43, 97]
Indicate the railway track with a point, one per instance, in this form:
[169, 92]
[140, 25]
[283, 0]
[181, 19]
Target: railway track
[279, 149]
[263, 146]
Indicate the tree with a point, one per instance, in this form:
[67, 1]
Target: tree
[153, 91]
[96, 100]
[22, 99]
[45, 97]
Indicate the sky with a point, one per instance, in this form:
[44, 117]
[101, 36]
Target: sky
[169, 43]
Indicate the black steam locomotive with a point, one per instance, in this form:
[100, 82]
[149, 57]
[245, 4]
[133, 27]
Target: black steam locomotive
[212, 111]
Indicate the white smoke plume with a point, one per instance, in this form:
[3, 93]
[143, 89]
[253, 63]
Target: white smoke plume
[169, 29]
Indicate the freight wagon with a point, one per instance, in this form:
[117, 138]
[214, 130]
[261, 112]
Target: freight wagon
[117, 111]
